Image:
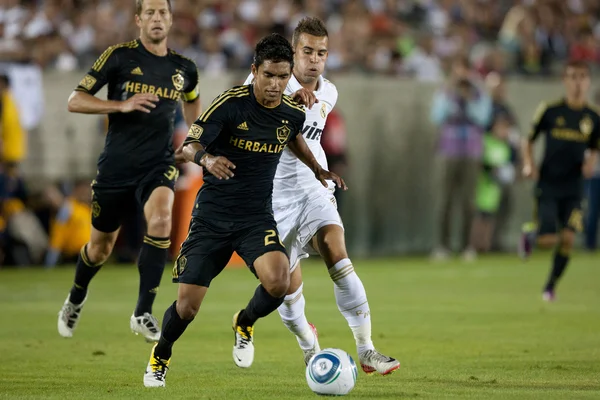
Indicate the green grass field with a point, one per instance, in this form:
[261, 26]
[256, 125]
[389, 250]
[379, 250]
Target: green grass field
[461, 330]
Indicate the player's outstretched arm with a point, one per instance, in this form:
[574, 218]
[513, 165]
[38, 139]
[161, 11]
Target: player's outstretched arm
[85, 103]
[301, 150]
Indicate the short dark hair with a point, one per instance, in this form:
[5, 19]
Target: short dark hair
[140, 3]
[311, 26]
[274, 48]
[578, 64]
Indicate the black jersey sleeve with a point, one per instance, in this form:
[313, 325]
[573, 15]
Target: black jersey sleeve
[190, 91]
[210, 124]
[101, 72]
[539, 122]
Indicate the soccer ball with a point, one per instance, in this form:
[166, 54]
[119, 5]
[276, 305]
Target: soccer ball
[331, 372]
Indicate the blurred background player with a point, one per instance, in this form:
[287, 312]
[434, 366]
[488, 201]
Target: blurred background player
[572, 130]
[238, 140]
[146, 81]
[306, 213]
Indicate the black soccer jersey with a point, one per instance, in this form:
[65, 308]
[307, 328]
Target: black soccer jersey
[569, 132]
[137, 141]
[252, 137]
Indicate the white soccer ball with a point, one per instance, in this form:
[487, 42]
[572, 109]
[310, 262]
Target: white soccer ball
[331, 372]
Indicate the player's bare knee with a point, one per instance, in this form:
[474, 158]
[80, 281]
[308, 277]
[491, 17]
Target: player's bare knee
[187, 310]
[567, 241]
[98, 252]
[547, 241]
[277, 281]
[331, 244]
[159, 223]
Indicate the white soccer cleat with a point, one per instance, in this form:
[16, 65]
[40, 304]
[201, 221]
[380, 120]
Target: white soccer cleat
[315, 349]
[68, 317]
[156, 371]
[145, 325]
[373, 361]
[243, 348]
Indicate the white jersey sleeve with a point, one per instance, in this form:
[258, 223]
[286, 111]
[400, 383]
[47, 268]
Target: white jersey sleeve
[249, 79]
[294, 181]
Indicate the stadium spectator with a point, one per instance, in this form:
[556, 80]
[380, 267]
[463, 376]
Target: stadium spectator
[462, 111]
[497, 172]
[423, 63]
[496, 86]
[70, 227]
[586, 48]
[66, 33]
[12, 136]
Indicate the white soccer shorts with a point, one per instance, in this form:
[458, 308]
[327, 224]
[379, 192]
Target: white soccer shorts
[298, 222]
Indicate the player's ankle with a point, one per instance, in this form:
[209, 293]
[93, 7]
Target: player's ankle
[77, 294]
[244, 320]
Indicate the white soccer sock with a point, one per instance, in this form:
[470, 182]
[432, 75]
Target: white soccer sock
[292, 315]
[351, 300]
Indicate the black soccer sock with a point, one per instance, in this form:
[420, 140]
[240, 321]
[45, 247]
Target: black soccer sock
[172, 329]
[151, 264]
[559, 265]
[84, 272]
[260, 305]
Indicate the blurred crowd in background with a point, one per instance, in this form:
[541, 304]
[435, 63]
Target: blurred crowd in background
[397, 37]
[469, 47]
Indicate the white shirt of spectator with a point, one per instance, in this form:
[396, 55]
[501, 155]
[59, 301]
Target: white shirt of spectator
[425, 67]
[26, 84]
[294, 181]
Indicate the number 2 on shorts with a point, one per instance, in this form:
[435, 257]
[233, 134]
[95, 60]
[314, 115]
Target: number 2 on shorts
[269, 238]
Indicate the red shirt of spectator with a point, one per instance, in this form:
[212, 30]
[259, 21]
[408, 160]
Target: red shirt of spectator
[586, 48]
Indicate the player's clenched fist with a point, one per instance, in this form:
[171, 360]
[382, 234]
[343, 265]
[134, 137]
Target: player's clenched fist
[305, 97]
[143, 102]
[219, 166]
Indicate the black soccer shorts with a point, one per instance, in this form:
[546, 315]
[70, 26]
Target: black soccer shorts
[110, 204]
[554, 213]
[210, 245]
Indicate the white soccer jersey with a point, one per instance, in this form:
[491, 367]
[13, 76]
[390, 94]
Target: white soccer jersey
[294, 181]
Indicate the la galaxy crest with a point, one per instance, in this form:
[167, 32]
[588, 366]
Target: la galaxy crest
[96, 209]
[283, 133]
[586, 125]
[195, 131]
[178, 81]
[181, 263]
[87, 82]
